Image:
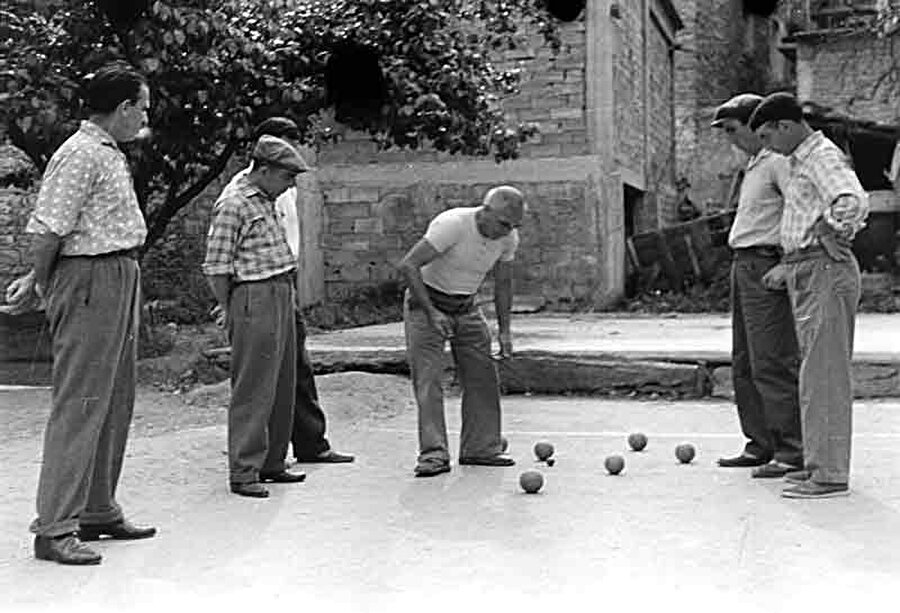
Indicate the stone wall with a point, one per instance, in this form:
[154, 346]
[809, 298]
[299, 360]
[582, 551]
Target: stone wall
[846, 73]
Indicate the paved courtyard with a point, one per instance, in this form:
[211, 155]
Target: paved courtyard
[369, 537]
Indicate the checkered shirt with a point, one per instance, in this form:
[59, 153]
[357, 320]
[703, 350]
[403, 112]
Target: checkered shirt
[245, 239]
[87, 196]
[822, 184]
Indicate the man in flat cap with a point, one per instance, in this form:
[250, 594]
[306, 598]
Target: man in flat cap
[444, 270]
[824, 207]
[764, 351]
[308, 441]
[251, 271]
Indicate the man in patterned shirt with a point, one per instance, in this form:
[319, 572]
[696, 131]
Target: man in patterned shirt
[308, 441]
[444, 270]
[88, 226]
[764, 350]
[251, 271]
[824, 207]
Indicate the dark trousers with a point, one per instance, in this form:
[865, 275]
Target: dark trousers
[262, 378]
[93, 308]
[765, 361]
[308, 435]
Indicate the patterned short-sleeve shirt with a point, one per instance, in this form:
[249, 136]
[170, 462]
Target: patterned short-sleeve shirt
[820, 175]
[87, 196]
[245, 239]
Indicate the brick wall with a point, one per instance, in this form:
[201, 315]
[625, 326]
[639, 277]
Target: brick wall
[628, 70]
[552, 95]
[15, 206]
[842, 72]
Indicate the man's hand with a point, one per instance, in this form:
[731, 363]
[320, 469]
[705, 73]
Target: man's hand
[776, 278]
[22, 295]
[219, 315]
[506, 349]
[441, 323]
[837, 246]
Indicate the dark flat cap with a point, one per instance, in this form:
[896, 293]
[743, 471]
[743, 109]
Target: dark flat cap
[776, 107]
[273, 151]
[740, 107]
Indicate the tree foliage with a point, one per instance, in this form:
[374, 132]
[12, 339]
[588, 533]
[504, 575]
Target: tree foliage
[217, 67]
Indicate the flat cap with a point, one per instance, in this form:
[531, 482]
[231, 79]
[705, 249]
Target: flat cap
[273, 151]
[740, 107]
[776, 107]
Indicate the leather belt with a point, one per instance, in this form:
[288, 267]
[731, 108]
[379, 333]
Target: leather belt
[132, 253]
[765, 251]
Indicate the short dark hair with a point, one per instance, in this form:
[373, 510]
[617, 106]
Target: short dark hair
[776, 107]
[111, 85]
[281, 127]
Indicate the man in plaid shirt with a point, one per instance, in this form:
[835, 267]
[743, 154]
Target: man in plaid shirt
[824, 207]
[251, 271]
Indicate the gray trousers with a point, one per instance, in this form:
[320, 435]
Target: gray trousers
[824, 295]
[765, 361]
[93, 309]
[263, 348]
[471, 347]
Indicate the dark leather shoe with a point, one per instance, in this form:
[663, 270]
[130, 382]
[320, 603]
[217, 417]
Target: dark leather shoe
[431, 468]
[121, 530]
[251, 490]
[327, 457]
[282, 477]
[66, 549]
[745, 460]
[773, 470]
[495, 460]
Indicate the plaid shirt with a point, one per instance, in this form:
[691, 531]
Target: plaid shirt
[87, 196]
[820, 178]
[245, 239]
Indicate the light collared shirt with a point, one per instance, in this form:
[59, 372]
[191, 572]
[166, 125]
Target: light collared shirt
[466, 256]
[87, 196]
[285, 204]
[757, 222]
[820, 174]
[245, 239]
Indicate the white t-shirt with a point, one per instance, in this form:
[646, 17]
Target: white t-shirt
[465, 255]
[285, 206]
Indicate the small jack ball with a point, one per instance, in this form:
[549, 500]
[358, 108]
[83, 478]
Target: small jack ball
[550, 461]
[637, 441]
[614, 464]
[543, 450]
[685, 452]
[504, 444]
[531, 481]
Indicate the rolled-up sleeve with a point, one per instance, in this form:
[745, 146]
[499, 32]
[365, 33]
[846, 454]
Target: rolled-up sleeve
[222, 239]
[848, 203]
[65, 188]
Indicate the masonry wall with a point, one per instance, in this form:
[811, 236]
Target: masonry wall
[722, 53]
[847, 73]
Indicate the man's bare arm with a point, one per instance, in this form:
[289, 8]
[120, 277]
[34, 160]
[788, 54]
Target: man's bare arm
[410, 267]
[503, 298]
[44, 257]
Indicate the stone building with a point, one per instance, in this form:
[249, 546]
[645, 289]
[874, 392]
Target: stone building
[602, 168]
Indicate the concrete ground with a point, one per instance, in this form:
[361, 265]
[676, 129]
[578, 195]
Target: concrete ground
[369, 537]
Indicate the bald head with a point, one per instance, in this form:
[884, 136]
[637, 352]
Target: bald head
[507, 202]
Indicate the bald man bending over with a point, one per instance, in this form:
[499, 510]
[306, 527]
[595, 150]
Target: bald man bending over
[443, 272]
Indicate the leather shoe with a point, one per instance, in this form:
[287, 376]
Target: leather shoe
[251, 490]
[65, 549]
[121, 530]
[773, 470]
[745, 460]
[327, 457]
[431, 468]
[494, 460]
[282, 477]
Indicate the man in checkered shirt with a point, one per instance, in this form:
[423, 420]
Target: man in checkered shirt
[250, 269]
[824, 207]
